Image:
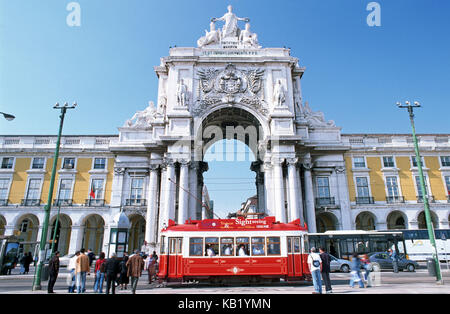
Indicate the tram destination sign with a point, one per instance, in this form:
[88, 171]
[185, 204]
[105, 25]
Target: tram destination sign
[237, 223]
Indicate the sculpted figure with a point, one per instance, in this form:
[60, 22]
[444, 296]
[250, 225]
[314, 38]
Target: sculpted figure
[316, 118]
[247, 37]
[142, 118]
[181, 93]
[211, 37]
[230, 29]
[279, 96]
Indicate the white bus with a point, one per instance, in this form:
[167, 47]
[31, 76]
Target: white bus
[418, 245]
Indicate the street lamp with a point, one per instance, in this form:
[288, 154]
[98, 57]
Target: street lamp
[8, 116]
[424, 190]
[42, 248]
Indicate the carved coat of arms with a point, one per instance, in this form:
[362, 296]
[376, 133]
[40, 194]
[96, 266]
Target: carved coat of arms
[230, 85]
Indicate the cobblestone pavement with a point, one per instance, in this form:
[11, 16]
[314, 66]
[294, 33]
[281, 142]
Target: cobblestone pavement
[387, 283]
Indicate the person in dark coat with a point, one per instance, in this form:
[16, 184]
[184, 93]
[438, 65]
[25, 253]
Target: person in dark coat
[326, 261]
[112, 268]
[28, 261]
[124, 279]
[53, 270]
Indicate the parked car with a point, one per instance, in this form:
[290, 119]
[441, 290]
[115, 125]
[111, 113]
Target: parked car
[64, 260]
[338, 264]
[382, 260]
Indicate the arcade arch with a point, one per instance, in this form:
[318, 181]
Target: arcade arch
[93, 226]
[365, 221]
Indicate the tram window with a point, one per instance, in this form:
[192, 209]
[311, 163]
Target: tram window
[195, 246]
[242, 246]
[226, 246]
[297, 245]
[289, 245]
[273, 246]
[163, 245]
[211, 246]
[172, 245]
[258, 245]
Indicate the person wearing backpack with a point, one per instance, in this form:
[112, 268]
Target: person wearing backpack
[315, 266]
[100, 271]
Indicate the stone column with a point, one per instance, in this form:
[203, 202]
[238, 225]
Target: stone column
[152, 206]
[278, 186]
[344, 199]
[268, 186]
[183, 199]
[193, 188]
[259, 182]
[117, 191]
[76, 237]
[169, 193]
[293, 189]
[309, 198]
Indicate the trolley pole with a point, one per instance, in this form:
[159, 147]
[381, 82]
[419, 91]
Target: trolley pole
[42, 247]
[424, 190]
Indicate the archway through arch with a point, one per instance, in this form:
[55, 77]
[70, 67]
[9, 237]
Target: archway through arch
[94, 227]
[422, 221]
[365, 221]
[396, 220]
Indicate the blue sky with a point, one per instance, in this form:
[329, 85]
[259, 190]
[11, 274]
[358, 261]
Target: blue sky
[354, 73]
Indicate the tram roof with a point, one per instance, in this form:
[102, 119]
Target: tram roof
[354, 232]
[238, 224]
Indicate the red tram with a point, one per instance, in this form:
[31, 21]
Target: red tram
[234, 250]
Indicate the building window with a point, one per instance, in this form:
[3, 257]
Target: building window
[362, 187]
[447, 185]
[388, 162]
[359, 162]
[392, 186]
[414, 161]
[69, 163]
[99, 163]
[34, 188]
[419, 188]
[137, 191]
[65, 189]
[323, 187]
[7, 162]
[38, 163]
[4, 185]
[445, 161]
[24, 225]
[97, 187]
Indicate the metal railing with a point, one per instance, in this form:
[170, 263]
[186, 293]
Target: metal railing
[31, 202]
[4, 202]
[136, 202]
[395, 199]
[325, 201]
[430, 199]
[360, 200]
[95, 202]
[62, 202]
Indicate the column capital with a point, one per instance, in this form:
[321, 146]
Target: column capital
[168, 162]
[153, 167]
[277, 161]
[119, 170]
[292, 161]
[184, 163]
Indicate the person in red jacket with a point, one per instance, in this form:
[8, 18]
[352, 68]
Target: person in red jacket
[99, 273]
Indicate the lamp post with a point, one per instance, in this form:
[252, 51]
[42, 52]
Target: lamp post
[8, 116]
[424, 190]
[42, 247]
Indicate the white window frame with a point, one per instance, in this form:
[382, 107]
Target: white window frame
[91, 179]
[41, 178]
[59, 185]
[13, 163]
[353, 162]
[427, 184]
[399, 186]
[38, 169]
[93, 164]
[440, 161]
[74, 164]
[412, 158]
[368, 185]
[8, 189]
[388, 167]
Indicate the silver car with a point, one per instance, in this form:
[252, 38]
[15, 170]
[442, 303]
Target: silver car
[338, 264]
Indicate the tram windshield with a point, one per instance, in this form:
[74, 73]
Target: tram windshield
[343, 244]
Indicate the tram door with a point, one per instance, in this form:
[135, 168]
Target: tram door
[294, 257]
[175, 260]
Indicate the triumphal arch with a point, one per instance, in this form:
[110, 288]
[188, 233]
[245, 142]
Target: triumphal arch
[229, 86]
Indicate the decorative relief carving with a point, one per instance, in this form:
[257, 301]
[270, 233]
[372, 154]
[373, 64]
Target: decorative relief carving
[229, 86]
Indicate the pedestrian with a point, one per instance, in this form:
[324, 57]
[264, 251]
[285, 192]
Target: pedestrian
[22, 263]
[99, 273]
[112, 268]
[367, 269]
[394, 257]
[356, 272]
[82, 269]
[326, 261]
[315, 265]
[151, 268]
[135, 265]
[123, 279]
[71, 267]
[28, 261]
[91, 257]
[53, 270]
